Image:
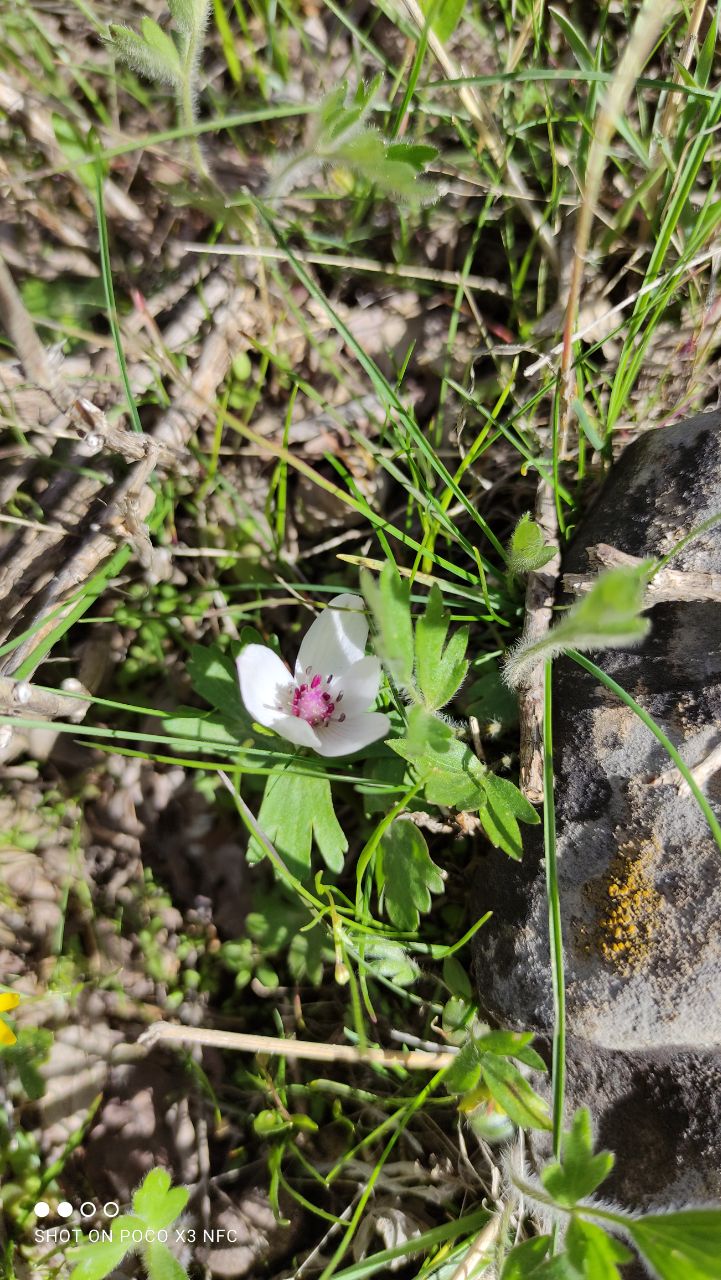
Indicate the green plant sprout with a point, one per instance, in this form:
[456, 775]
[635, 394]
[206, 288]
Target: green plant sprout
[156, 1207]
[172, 59]
[683, 1245]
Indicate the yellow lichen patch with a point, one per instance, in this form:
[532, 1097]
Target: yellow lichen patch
[629, 906]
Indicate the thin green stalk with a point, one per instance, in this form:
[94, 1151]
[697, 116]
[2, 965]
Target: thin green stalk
[659, 734]
[107, 274]
[402, 1123]
[558, 1062]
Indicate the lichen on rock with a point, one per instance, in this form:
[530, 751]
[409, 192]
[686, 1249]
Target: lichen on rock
[639, 872]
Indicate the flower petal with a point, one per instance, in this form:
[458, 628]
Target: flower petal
[8, 1000]
[298, 731]
[6, 1035]
[360, 686]
[342, 738]
[335, 640]
[266, 685]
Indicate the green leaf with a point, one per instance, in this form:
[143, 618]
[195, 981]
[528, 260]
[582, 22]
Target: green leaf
[306, 955]
[161, 1264]
[576, 42]
[440, 671]
[514, 1094]
[452, 775]
[368, 155]
[153, 61]
[558, 1268]
[296, 810]
[579, 1172]
[415, 154]
[607, 617]
[157, 1202]
[227, 40]
[206, 732]
[410, 875]
[593, 1252]
[214, 678]
[160, 42]
[527, 550]
[502, 830]
[189, 16]
[391, 960]
[444, 14]
[456, 979]
[388, 600]
[97, 1260]
[75, 148]
[588, 426]
[26, 1057]
[465, 1070]
[525, 1260]
[680, 1246]
[506, 796]
[511, 1044]
[338, 117]
[469, 1065]
[504, 805]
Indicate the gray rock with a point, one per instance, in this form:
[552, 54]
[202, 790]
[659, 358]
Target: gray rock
[639, 873]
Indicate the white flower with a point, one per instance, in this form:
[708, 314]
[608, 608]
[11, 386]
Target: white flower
[325, 704]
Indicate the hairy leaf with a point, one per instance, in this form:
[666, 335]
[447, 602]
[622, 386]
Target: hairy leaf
[608, 617]
[524, 1261]
[593, 1252]
[161, 1263]
[388, 599]
[97, 1260]
[157, 1201]
[680, 1246]
[527, 550]
[579, 1172]
[154, 61]
[441, 667]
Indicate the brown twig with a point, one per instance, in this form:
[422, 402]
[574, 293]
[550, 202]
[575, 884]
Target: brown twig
[413, 1059]
[667, 586]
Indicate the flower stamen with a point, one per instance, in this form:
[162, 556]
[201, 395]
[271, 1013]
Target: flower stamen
[311, 702]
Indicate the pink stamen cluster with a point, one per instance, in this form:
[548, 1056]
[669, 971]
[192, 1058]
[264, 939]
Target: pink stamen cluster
[313, 703]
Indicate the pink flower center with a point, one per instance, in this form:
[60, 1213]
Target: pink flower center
[312, 702]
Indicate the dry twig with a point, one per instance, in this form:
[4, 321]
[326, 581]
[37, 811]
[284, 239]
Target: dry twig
[413, 1059]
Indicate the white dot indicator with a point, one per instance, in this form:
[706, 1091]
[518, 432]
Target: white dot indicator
[42, 1209]
[111, 1209]
[65, 1209]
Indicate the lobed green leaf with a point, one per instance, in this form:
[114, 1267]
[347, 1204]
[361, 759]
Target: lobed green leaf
[578, 1172]
[409, 875]
[441, 667]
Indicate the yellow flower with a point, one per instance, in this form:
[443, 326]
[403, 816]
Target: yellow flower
[7, 1001]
